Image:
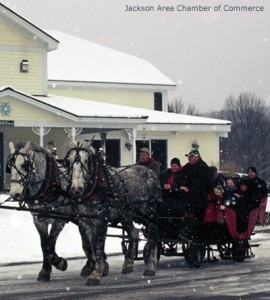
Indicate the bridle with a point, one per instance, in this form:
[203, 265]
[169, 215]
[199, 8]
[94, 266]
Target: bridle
[28, 179]
[25, 179]
[90, 171]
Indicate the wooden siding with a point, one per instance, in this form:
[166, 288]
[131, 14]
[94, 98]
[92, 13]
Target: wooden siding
[15, 46]
[10, 75]
[133, 98]
[180, 144]
[12, 37]
[24, 111]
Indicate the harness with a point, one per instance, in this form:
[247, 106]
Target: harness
[50, 188]
[102, 186]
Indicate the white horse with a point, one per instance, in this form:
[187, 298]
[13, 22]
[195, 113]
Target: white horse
[38, 181]
[113, 195]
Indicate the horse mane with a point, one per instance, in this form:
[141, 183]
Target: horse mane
[33, 147]
[85, 144]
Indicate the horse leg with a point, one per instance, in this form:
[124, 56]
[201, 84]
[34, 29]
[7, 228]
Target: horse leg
[88, 268]
[58, 262]
[150, 269]
[133, 235]
[99, 231]
[42, 228]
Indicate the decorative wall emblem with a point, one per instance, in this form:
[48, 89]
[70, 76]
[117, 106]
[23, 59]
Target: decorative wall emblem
[5, 109]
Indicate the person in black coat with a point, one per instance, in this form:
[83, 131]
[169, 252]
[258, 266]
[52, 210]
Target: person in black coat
[170, 178]
[257, 189]
[196, 180]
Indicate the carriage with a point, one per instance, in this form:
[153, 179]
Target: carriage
[102, 196]
[199, 241]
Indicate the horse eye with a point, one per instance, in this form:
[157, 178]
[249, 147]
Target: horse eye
[25, 166]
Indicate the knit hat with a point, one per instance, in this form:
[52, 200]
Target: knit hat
[193, 153]
[252, 169]
[176, 161]
[145, 150]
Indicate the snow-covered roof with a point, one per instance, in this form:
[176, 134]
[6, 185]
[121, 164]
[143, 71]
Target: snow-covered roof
[79, 60]
[89, 108]
[82, 110]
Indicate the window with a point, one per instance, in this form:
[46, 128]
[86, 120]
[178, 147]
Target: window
[158, 101]
[112, 151]
[158, 149]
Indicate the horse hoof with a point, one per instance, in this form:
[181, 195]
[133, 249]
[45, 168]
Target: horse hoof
[127, 270]
[127, 266]
[91, 282]
[86, 271]
[149, 272]
[62, 265]
[105, 271]
[44, 276]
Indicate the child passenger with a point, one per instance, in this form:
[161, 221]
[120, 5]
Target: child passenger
[229, 192]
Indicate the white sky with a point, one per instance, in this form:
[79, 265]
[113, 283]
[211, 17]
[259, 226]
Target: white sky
[210, 55]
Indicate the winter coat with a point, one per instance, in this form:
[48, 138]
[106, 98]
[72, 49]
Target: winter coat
[257, 191]
[172, 178]
[197, 176]
[151, 164]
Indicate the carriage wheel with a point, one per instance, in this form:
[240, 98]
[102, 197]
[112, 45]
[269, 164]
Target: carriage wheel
[239, 251]
[194, 254]
[225, 251]
[146, 252]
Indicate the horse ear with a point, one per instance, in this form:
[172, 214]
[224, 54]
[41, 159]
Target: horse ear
[11, 147]
[88, 143]
[26, 148]
[72, 144]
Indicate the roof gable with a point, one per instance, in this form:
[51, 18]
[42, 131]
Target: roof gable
[29, 30]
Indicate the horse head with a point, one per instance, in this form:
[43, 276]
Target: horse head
[20, 164]
[34, 173]
[81, 162]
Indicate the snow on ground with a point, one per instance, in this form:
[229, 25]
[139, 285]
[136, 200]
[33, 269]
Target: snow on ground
[19, 239]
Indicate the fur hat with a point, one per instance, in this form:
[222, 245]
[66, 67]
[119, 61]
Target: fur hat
[252, 169]
[176, 161]
[193, 153]
[145, 150]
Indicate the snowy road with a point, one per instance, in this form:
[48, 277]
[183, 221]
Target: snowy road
[221, 280]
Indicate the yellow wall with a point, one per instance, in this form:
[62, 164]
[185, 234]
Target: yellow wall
[31, 82]
[15, 48]
[24, 111]
[180, 144]
[135, 98]
[13, 37]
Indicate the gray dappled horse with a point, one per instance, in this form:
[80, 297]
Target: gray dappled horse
[40, 182]
[123, 195]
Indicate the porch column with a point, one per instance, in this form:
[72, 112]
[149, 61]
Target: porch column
[41, 131]
[134, 137]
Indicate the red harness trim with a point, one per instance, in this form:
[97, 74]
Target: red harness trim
[51, 174]
[88, 196]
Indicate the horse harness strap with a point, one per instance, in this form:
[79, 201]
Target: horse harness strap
[47, 189]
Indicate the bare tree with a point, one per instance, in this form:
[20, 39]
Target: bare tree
[192, 110]
[178, 106]
[249, 140]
